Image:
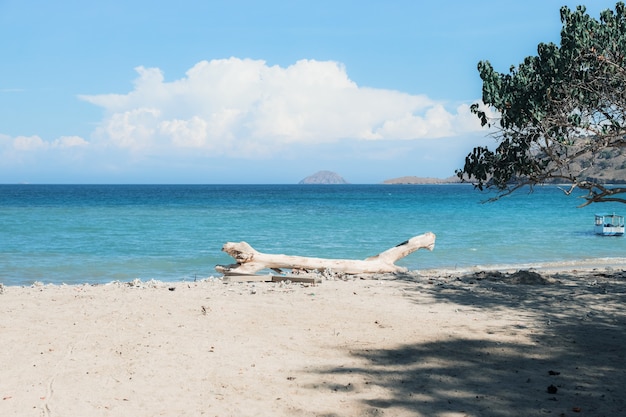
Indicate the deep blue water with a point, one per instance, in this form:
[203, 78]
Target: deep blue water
[103, 233]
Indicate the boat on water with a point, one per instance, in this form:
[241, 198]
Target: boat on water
[609, 225]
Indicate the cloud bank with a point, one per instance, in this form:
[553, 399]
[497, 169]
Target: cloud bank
[243, 107]
[225, 119]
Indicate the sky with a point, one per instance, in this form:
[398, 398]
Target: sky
[252, 92]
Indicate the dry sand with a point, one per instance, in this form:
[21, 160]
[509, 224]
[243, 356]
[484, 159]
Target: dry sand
[488, 344]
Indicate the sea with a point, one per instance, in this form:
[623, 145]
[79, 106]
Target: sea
[94, 234]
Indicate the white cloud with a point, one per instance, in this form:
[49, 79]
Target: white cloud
[36, 143]
[29, 143]
[69, 142]
[132, 129]
[186, 133]
[243, 107]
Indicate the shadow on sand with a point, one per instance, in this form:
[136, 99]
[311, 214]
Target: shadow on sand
[575, 365]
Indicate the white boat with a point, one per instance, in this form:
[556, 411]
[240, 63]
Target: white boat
[609, 225]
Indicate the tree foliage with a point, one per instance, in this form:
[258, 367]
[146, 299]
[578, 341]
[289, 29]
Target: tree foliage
[559, 112]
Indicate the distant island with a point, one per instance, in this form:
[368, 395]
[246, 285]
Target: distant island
[329, 177]
[608, 168]
[423, 180]
[324, 177]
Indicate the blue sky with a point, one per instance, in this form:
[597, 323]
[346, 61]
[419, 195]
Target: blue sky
[251, 91]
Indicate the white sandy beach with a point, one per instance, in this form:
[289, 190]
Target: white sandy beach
[416, 345]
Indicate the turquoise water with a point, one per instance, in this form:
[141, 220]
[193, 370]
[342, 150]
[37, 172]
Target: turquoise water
[102, 233]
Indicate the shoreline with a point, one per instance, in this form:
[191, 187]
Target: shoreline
[584, 265]
[489, 343]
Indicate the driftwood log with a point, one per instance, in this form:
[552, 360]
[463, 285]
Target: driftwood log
[249, 260]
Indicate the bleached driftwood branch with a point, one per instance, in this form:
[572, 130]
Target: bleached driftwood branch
[250, 260]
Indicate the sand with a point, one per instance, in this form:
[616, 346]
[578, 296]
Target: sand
[429, 344]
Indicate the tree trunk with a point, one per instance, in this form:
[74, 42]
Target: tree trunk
[250, 260]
